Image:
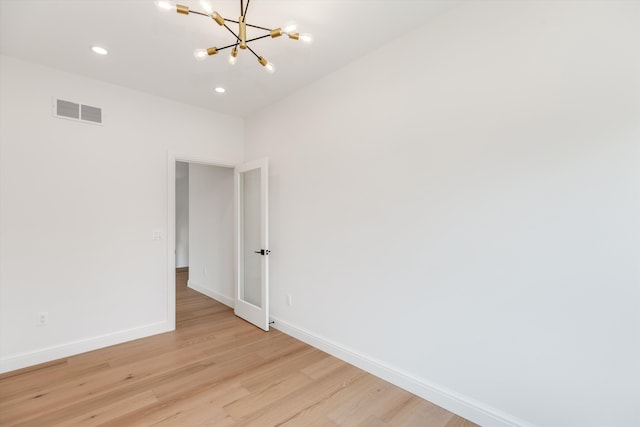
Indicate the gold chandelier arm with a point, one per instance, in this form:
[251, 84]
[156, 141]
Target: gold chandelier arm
[255, 54]
[218, 18]
[244, 14]
[258, 27]
[234, 34]
[226, 47]
[242, 33]
[258, 38]
[214, 50]
[248, 25]
[182, 9]
[238, 37]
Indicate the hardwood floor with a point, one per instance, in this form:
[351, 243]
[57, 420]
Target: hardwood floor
[214, 370]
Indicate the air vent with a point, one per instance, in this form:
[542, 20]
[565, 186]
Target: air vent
[67, 109]
[91, 114]
[71, 110]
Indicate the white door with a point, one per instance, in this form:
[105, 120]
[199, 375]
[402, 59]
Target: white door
[252, 243]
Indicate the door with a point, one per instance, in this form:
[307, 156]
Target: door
[252, 243]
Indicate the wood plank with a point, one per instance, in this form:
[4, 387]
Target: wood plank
[289, 406]
[418, 411]
[198, 406]
[457, 421]
[105, 413]
[376, 400]
[373, 422]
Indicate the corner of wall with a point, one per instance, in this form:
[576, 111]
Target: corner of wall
[462, 405]
[229, 302]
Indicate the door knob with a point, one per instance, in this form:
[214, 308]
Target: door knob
[262, 252]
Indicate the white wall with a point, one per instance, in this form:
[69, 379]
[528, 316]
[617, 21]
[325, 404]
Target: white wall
[182, 214]
[79, 203]
[459, 212]
[211, 264]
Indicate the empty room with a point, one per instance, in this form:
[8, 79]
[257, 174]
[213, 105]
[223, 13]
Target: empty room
[382, 213]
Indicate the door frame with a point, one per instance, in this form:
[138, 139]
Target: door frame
[172, 158]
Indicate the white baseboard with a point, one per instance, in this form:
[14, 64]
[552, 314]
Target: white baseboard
[229, 302]
[464, 406]
[48, 354]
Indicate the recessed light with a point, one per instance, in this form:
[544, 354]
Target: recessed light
[99, 50]
[220, 89]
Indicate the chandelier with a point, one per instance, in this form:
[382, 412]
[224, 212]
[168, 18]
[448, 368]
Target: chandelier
[240, 38]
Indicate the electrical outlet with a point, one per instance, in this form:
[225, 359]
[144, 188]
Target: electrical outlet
[289, 299]
[43, 319]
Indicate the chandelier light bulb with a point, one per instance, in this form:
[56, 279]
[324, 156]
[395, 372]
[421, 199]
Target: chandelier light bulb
[206, 6]
[165, 4]
[270, 68]
[289, 28]
[233, 58]
[200, 54]
[307, 38]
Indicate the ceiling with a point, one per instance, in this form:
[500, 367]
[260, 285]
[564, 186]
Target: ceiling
[152, 51]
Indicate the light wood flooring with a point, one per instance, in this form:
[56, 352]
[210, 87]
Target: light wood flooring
[214, 370]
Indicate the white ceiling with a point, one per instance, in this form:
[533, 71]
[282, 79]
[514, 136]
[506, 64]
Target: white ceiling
[152, 51]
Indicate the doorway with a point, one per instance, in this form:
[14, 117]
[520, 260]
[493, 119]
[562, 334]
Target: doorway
[228, 236]
[201, 230]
